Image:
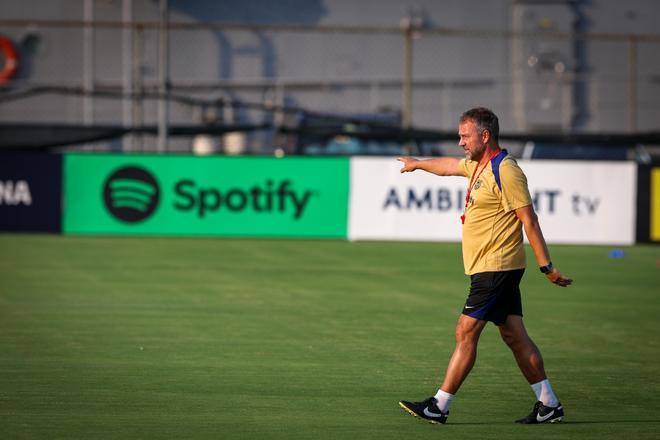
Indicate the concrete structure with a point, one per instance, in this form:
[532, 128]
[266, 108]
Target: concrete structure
[547, 66]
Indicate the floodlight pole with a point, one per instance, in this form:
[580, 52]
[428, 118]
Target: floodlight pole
[127, 72]
[411, 25]
[88, 62]
[163, 76]
[137, 89]
[406, 105]
[632, 84]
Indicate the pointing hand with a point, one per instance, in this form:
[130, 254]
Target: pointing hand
[409, 163]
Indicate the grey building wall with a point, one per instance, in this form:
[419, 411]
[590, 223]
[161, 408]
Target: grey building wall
[351, 72]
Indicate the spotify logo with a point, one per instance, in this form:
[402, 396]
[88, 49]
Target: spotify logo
[131, 194]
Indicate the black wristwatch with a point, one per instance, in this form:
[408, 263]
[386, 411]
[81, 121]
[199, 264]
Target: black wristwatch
[546, 269]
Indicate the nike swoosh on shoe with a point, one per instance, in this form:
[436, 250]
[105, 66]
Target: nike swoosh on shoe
[431, 414]
[541, 419]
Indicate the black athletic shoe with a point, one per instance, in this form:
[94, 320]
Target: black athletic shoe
[427, 410]
[543, 414]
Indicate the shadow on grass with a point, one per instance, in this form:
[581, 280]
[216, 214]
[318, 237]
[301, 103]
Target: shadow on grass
[572, 422]
[601, 422]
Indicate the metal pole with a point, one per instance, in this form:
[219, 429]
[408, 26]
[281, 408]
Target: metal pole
[127, 71]
[88, 61]
[406, 105]
[163, 76]
[632, 84]
[411, 24]
[138, 110]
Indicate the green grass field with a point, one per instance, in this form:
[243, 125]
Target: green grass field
[127, 338]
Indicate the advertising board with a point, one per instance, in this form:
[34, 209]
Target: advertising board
[655, 204]
[187, 195]
[30, 192]
[577, 202]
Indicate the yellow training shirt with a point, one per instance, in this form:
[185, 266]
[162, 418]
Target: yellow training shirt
[492, 234]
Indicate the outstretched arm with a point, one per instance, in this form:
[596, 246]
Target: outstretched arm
[442, 166]
[530, 222]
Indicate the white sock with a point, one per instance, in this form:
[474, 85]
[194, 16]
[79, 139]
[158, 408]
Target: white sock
[544, 393]
[443, 400]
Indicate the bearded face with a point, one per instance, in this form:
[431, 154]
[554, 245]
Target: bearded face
[471, 140]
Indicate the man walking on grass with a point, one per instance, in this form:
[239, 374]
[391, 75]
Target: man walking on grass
[497, 207]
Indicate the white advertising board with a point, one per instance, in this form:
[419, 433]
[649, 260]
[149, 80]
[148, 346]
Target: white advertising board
[577, 202]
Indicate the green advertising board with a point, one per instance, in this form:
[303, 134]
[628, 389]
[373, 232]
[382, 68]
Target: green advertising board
[188, 195]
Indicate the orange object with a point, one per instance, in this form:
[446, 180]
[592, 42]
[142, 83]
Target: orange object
[11, 59]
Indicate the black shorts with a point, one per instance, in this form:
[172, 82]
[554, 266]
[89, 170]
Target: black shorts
[494, 296]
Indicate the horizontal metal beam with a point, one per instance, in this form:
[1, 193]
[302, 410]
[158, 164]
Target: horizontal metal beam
[436, 31]
[44, 136]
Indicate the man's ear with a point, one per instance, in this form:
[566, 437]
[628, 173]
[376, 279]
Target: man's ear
[485, 136]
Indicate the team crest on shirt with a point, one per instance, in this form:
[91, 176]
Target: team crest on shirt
[477, 185]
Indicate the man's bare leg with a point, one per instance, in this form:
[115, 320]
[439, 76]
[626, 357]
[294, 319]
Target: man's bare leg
[524, 350]
[530, 362]
[436, 408]
[468, 330]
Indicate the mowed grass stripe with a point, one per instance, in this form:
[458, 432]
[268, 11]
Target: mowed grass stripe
[214, 338]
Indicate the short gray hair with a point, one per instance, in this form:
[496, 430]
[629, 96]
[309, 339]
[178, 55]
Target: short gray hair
[485, 119]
